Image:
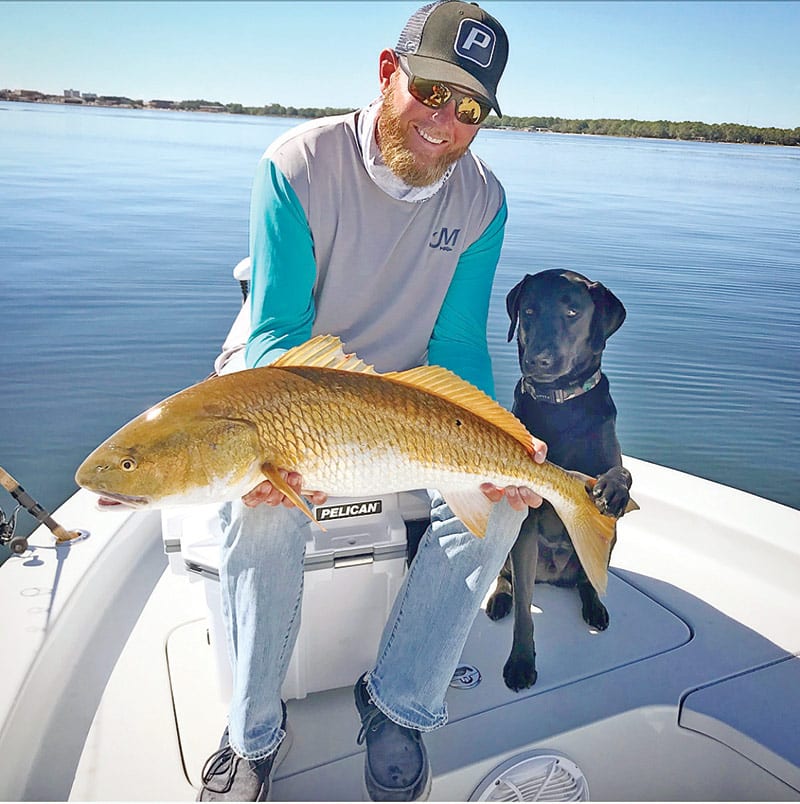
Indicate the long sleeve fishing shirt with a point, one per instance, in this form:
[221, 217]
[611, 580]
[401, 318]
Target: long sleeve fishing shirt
[402, 283]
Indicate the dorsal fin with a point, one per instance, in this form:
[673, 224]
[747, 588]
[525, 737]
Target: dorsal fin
[443, 383]
[323, 351]
[326, 351]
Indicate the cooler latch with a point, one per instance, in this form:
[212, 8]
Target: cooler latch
[355, 560]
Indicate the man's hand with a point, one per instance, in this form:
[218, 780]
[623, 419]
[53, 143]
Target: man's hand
[519, 497]
[267, 493]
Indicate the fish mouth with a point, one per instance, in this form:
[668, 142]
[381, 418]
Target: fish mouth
[109, 499]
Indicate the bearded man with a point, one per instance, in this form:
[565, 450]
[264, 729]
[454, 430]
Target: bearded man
[380, 227]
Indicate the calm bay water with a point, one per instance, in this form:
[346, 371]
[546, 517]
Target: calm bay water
[119, 230]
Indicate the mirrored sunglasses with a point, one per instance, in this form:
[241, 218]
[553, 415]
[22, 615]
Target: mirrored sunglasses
[435, 95]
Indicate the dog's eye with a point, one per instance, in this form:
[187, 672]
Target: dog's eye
[529, 311]
[571, 312]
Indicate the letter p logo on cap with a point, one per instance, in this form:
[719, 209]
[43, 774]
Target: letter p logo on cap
[475, 41]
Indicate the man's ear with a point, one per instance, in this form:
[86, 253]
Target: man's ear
[387, 65]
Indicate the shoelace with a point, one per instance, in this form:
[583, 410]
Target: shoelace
[221, 762]
[372, 721]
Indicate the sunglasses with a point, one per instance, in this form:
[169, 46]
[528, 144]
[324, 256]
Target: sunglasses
[435, 95]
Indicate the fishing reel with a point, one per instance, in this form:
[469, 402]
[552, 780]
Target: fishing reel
[17, 545]
[8, 526]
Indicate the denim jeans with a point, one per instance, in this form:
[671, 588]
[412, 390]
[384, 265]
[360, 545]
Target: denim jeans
[261, 581]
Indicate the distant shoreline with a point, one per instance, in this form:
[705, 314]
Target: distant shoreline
[689, 131]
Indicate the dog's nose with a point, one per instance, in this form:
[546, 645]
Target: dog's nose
[539, 362]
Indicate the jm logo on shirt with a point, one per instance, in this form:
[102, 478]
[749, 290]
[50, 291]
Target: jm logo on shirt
[475, 41]
[443, 239]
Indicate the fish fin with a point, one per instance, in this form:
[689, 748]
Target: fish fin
[471, 506]
[323, 351]
[591, 533]
[587, 480]
[443, 383]
[326, 351]
[277, 480]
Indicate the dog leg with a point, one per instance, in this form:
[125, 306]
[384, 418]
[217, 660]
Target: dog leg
[499, 603]
[519, 672]
[594, 613]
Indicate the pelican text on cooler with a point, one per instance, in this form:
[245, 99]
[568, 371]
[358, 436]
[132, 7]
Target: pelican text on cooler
[350, 509]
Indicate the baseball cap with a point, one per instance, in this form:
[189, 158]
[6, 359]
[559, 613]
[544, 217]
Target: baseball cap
[456, 43]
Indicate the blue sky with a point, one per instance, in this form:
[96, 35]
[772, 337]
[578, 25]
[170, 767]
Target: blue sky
[710, 61]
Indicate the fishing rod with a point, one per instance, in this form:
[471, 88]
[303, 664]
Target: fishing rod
[19, 544]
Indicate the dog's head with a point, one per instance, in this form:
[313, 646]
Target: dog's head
[562, 320]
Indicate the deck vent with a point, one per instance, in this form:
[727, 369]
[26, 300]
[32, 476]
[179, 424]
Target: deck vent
[534, 776]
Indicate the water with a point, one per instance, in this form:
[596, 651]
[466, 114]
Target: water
[119, 230]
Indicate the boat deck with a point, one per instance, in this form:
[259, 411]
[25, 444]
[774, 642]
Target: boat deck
[187, 711]
[693, 693]
[627, 705]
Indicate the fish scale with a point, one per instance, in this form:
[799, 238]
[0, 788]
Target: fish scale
[432, 442]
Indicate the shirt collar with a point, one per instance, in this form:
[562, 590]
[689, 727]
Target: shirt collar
[391, 184]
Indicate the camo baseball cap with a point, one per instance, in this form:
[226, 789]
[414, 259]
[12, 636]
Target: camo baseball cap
[456, 43]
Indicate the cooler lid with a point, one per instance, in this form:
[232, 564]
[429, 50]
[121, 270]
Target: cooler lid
[356, 531]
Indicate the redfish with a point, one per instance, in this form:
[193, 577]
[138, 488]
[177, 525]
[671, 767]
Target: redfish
[350, 432]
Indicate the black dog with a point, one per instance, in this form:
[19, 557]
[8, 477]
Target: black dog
[562, 398]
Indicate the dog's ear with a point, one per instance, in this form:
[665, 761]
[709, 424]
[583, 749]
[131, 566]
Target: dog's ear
[609, 314]
[512, 304]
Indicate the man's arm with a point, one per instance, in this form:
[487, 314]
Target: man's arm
[458, 341]
[459, 336]
[281, 292]
[283, 268]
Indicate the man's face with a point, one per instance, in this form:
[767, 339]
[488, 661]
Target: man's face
[417, 143]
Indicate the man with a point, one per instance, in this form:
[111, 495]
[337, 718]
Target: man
[382, 228]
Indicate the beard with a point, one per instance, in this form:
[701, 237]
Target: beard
[392, 138]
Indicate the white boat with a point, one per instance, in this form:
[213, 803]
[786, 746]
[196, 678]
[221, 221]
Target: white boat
[114, 679]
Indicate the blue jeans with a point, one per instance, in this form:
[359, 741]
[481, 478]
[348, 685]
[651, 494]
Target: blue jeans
[261, 580]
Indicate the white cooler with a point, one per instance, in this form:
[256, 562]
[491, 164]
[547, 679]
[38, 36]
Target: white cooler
[353, 571]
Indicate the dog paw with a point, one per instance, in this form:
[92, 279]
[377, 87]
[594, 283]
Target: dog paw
[498, 605]
[611, 492]
[595, 614]
[519, 674]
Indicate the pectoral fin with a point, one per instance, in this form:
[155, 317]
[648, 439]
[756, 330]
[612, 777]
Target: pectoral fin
[472, 507]
[276, 478]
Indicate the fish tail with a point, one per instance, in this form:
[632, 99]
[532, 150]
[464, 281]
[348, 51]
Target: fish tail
[591, 532]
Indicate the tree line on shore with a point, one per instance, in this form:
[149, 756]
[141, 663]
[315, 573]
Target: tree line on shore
[657, 129]
[270, 110]
[609, 127]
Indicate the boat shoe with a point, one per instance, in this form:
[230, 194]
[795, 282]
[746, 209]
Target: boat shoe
[228, 777]
[396, 766]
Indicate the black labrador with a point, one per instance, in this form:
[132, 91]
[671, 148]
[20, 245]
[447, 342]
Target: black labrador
[562, 321]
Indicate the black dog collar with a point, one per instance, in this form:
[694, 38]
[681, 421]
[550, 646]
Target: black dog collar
[559, 395]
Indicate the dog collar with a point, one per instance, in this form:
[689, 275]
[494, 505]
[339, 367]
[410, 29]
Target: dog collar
[559, 395]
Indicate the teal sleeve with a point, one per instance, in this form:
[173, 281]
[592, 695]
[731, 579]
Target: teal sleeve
[283, 268]
[459, 341]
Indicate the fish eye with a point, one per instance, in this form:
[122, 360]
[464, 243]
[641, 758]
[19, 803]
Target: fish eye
[127, 464]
